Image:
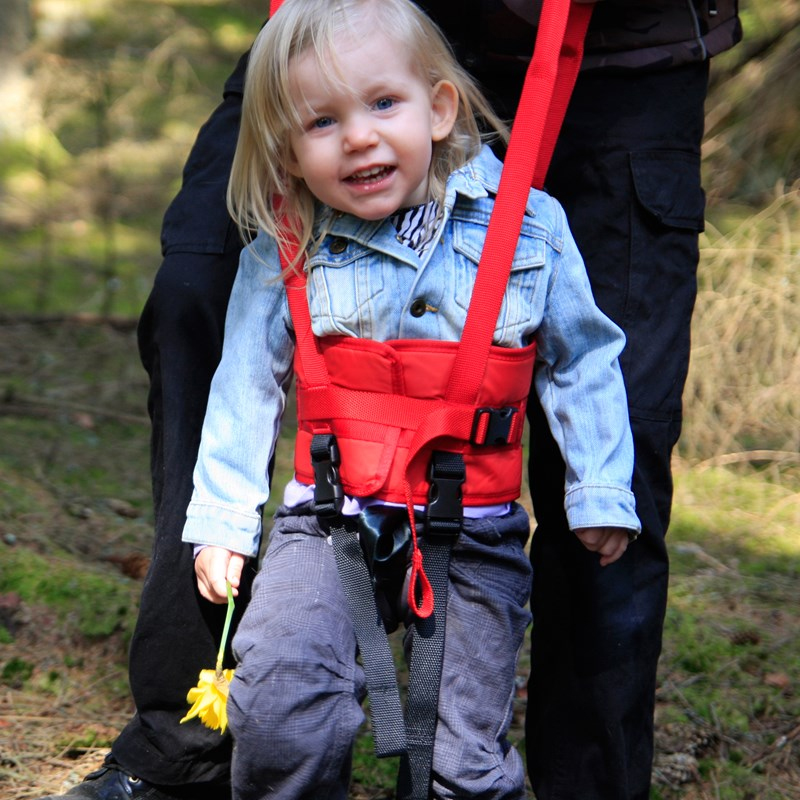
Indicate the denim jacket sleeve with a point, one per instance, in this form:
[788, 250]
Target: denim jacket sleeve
[580, 386]
[245, 408]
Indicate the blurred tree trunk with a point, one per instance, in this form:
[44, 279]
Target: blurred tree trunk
[15, 32]
[15, 36]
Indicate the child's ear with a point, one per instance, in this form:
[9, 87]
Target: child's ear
[444, 109]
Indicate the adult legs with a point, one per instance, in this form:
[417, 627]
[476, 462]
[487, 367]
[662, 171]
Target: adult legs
[627, 170]
[180, 339]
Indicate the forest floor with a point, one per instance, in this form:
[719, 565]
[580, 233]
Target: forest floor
[75, 533]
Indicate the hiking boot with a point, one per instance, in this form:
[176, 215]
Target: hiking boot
[111, 782]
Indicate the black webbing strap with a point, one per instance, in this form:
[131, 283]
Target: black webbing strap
[425, 673]
[412, 737]
[427, 643]
[388, 728]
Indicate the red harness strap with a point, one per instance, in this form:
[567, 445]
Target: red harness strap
[379, 395]
[548, 84]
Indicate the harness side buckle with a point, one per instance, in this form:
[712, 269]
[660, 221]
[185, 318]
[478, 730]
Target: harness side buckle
[492, 426]
[444, 513]
[328, 491]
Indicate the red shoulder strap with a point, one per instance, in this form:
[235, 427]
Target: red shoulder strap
[548, 85]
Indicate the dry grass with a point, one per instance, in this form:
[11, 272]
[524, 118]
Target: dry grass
[56, 730]
[742, 398]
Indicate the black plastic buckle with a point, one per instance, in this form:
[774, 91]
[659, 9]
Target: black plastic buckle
[498, 428]
[445, 510]
[325, 459]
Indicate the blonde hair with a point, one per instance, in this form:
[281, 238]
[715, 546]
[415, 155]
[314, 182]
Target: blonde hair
[258, 174]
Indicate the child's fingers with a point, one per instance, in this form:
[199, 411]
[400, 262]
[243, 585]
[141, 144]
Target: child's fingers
[609, 543]
[591, 538]
[613, 549]
[234, 572]
[211, 568]
[206, 587]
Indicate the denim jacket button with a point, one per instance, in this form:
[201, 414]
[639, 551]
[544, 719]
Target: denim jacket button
[418, 307]
[338, 246]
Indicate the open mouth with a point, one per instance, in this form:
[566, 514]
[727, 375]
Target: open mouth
[371, 175]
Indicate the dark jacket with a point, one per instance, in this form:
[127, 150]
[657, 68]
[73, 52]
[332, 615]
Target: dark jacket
[624, 34]
[660, 33]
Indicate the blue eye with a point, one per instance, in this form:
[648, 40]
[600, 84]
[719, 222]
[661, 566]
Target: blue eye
[322, 122]
[384, 103]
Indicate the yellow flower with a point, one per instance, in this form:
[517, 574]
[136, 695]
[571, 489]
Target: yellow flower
[209, 699]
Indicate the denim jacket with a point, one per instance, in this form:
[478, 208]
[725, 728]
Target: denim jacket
[363, 282]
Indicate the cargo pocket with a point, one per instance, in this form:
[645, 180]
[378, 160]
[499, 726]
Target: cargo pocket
[664, 252]
[667, 184]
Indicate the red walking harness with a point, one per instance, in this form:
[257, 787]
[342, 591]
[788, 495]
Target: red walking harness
[384, 408]
[387, 421]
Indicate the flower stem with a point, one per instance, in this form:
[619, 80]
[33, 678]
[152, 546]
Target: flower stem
[225, 629]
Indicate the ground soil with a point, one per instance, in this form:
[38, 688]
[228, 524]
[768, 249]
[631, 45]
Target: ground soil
[59, 713]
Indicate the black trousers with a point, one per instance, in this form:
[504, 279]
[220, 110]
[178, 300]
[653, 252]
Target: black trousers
[627, 172]
[180, 341]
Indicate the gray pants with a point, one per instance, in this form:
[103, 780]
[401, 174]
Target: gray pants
[295, 702]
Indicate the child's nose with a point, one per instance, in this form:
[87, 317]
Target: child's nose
[359, 134]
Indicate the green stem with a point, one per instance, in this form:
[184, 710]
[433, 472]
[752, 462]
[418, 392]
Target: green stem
[226, 628]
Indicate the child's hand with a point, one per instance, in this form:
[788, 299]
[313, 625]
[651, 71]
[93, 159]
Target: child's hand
[213, 566]
[610, 543]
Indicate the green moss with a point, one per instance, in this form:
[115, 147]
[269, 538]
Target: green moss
[95, 603]
[378, 773]
[16, 672]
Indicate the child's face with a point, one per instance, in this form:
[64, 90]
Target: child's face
[366, 149]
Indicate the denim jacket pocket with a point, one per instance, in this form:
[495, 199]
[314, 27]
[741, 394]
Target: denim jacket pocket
[526, 271]
[667, 184]
[346, 279]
